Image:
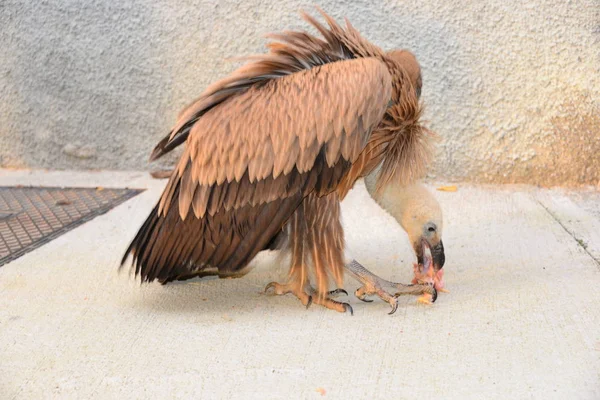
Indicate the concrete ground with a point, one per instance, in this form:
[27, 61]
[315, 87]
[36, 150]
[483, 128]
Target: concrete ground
[522, 319]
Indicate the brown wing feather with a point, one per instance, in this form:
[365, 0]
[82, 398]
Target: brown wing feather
[294, 51]
[167, 247]
[279, 126]
[259, 142]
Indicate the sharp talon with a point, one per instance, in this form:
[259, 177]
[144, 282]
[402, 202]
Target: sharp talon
[348, 307]
[363, 296]
[269, 286]
[338, 291]
[394, 306]
[434, 295]
[309, 302]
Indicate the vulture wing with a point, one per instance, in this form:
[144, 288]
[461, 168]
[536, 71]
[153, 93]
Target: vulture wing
[251, 159]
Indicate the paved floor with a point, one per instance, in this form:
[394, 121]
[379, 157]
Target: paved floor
[522, 320]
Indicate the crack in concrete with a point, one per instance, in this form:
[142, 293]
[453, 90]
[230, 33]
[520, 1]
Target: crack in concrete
[580, 242]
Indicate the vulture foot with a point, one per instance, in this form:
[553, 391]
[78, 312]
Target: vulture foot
[311, 297]
[293, 287]
[374, 285]
[334, 305]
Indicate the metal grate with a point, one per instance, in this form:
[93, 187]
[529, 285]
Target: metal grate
[32, 216]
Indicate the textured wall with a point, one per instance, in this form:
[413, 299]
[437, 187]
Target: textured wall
[513, 88]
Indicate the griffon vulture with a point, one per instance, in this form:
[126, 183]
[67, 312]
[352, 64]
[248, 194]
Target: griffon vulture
[272, 149]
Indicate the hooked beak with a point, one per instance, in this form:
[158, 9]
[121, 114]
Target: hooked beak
[430, 263]
[437, 254]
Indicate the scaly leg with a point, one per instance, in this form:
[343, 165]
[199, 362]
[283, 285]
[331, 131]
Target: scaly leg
[374, 285]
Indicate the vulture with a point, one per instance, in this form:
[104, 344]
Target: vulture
[271, 150]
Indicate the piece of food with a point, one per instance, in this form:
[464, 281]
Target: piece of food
[424, 273]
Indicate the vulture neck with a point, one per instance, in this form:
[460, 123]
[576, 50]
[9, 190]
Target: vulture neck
[411, 205]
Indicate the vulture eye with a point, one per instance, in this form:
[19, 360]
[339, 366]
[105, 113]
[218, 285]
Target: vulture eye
[429, 228]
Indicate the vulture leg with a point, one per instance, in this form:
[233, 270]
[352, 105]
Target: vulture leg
[297, 278]
[316, 233]
[374, 285]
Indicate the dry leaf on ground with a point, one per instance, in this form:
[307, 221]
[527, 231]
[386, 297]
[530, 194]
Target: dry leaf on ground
[451, 188]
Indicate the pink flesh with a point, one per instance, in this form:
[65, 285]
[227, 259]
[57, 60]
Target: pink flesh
[428, 275]
[424, 273]
[439, 280]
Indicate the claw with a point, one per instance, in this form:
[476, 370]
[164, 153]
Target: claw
[434, 294]
[361, 294]
[429, 297]
[394, 304]
[338, 291]
[348, 307]
[309, 302]
[332, 293]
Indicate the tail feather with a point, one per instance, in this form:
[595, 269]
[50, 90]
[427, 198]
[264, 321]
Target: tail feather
[167, 247]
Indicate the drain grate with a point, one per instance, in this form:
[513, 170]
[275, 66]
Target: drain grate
[33, 216]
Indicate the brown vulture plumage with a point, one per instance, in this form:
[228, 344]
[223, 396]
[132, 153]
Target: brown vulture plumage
[272, 149]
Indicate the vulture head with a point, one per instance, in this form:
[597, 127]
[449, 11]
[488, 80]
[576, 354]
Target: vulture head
[420, 215]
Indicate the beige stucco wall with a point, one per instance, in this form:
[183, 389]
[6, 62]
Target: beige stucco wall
[513, 88]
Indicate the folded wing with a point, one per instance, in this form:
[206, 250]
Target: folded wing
[250, 161]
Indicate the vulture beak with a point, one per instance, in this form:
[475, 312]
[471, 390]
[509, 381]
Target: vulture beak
[429, 256]
[436, 252]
